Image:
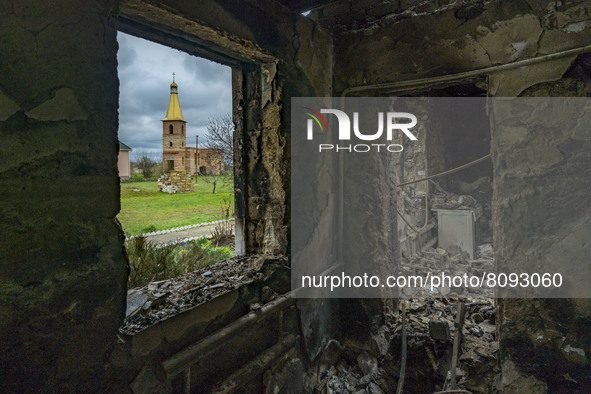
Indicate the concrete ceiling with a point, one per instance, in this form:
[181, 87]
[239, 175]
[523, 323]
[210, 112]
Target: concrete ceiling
[357, 13]
[360, 6]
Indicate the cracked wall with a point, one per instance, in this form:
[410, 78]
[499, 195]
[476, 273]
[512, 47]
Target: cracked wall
[452, 40]
[541, 216]
[63, 264]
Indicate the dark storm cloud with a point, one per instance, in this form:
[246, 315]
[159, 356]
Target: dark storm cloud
[145, 73]
[126, 55]
[204, 69]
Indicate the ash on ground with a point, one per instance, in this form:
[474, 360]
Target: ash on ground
[163, 299]
[453, 262]
[430, 334]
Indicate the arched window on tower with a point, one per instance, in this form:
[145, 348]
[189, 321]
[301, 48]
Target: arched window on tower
[170, 129]
[170, 144]
[183, 129]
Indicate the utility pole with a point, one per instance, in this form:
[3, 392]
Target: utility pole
[196, 157]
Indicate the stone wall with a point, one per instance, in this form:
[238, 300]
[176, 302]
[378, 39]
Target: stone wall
[173, 145]
[190, 160]
[212, 160]
[64, 269]
[177, 138]
[181, 180]
[541, 215]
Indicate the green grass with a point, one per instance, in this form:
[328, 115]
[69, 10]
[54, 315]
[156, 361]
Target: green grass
[144, 208]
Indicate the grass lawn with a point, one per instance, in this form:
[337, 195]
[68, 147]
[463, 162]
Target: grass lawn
[144, 208]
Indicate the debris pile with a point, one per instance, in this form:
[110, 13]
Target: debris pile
[176, 181]
[431, 330]
[451, 262]
[430, 334]
[456, 201]
[363, 375]
[163, 299]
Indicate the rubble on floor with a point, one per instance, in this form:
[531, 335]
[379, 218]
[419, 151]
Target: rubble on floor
[429, 353]
[160, 300]
[452, 262]
[430, 331]
[455, 201]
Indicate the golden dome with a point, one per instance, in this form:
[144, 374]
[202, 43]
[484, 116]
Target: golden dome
[174, 107]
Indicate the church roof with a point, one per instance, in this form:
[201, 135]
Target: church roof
[174, 107]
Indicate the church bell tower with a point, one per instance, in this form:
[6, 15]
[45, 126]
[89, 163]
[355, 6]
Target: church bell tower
[173, 133]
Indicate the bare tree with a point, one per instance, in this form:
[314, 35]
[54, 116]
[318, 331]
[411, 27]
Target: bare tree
[145, 163]
[219, 139]
[220, 136]
[214, 168]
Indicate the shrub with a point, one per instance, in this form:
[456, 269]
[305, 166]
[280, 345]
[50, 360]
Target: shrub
[223, 232]
[149, 262]
[150, 229]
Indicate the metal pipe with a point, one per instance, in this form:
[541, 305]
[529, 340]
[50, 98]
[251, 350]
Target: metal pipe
[406, 221]
[255, 367]
[181, 360]
[400, 385]
[458, 324]
[448, 171]
[422, 82]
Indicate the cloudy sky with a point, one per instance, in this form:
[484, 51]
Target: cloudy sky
[145, 74]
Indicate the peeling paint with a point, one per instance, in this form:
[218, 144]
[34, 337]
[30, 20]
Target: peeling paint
[7, 107]
[63, 106]
[518, 48]
[576, 27]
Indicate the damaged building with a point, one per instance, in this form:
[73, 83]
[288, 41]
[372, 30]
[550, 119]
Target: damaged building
[68, 321]
[176, 155]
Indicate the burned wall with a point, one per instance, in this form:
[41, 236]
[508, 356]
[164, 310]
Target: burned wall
[541, 215]
[540, 207]
[407, 46]
[63, 264]
[64, 268]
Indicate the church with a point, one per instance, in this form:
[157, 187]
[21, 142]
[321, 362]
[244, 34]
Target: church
[176, 155]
